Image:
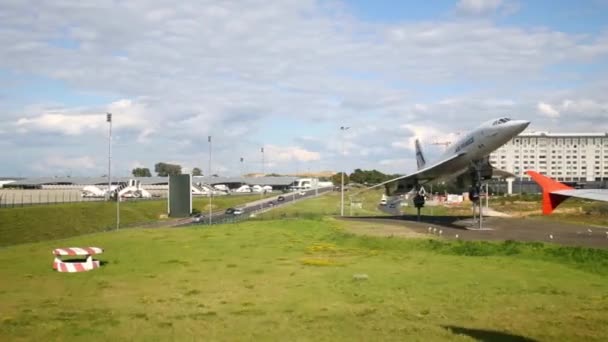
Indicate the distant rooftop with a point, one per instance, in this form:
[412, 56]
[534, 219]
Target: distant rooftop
[549, 134]
[37, 182]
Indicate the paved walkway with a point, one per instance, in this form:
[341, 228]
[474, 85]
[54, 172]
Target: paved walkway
[501, 228]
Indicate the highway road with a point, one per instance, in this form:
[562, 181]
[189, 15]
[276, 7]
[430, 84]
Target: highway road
[267, 203]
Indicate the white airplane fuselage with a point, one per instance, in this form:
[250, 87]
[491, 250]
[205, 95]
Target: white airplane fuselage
[470, 150]
[479, 143]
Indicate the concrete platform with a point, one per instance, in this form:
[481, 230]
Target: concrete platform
[502, 228]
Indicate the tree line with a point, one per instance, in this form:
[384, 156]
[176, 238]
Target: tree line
[365, 177]
[163, 170]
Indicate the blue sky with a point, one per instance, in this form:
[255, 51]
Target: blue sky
[286, 76]
[566, 16]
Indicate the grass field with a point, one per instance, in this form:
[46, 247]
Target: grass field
[304, 277]
[45, 222]
[329, 204]
[302, 280]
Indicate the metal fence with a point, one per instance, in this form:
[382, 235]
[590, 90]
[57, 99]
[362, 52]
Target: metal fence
[23, 198]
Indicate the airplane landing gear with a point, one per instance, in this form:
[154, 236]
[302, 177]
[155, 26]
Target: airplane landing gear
[419, 199]
[475, 192]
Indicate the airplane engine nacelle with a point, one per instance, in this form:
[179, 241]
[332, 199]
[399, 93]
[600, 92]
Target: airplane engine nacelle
[485, 169]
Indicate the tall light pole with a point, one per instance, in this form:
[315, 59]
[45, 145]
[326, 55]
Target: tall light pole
[343, 129]
[262, 150]
[209, 182]
[242, 173]
[263, 174]
[109, 120]
[521, 165]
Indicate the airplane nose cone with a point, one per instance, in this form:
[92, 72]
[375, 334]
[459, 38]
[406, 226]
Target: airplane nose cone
[518, 126]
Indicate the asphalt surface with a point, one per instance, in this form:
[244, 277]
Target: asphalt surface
[498, 228]
[256, 206]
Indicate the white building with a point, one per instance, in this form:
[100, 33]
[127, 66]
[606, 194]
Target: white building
[562, 156]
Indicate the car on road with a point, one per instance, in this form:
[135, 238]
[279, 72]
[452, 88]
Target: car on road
[392, 205]
[234, 211]
[280, 199]
[198, 218]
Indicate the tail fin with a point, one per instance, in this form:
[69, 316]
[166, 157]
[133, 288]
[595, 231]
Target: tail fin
[548, 185]
[420, 161]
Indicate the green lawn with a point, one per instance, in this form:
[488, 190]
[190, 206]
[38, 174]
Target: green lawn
[45, 222]
[294, 279]
[364, 204]
[301, 277]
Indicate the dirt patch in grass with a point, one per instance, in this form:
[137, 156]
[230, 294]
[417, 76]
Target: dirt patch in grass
[381, 229]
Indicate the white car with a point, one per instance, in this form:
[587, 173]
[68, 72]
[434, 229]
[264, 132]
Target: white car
[197, 218]
[237, 211]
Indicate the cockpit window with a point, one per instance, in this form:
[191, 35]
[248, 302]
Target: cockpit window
[500, 121]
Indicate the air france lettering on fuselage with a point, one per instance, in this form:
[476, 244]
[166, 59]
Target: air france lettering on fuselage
[466, 143]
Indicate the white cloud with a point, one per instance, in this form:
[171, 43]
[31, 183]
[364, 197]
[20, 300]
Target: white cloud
[585, 107]
[399, 162]
[547, 110]
[427, 134]
[68, 124]
[227, 69]
[59, 164]
[125, 114]
[477, 7]
[289, 153]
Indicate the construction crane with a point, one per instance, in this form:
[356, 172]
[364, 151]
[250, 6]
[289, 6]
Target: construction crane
[444, 143]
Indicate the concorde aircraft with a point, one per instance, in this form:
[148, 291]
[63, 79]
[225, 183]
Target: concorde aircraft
[470, 153]
[555, 192]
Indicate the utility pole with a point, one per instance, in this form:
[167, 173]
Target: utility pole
[109, 120]
[263, 175]
[487, 196]
[343, 129]
[209, 183]
[242, 173]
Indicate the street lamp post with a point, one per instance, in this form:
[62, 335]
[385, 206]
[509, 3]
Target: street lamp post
[209, 183]
[242, 172]
[343, 129]
[263, 174]
[109, 120]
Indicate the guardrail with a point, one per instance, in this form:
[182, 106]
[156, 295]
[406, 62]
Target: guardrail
[25, 198]
[19, 200]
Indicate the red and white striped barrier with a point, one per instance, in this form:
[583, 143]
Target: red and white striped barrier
[76, 266]
[77, 251]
